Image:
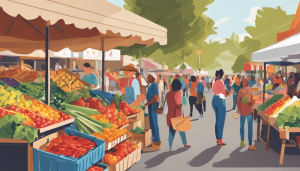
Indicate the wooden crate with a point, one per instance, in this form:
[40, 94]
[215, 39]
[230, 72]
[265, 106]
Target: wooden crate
[145, 138]
[16, 155]
[129, 160]
[267, 118]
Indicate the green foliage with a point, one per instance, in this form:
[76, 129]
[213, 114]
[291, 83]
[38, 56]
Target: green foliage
[187, 28]
[239, 64]
[183, 66]
[289, 117]
[138, 130]
[268, 23]
[11, 128]
[32, 89]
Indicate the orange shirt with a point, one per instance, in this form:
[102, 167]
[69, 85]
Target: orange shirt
[276, 80]
[193, 89]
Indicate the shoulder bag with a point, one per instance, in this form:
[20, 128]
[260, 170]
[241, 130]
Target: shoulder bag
[182, 123]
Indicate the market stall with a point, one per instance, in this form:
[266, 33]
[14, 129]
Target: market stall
[100, 119]
[279, 111]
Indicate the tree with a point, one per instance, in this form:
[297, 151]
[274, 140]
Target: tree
[239, 64]
[183, 66]
[175, 15]
[187, 28]
[268, 23]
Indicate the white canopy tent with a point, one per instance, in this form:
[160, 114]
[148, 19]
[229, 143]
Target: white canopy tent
[287, 50]
[187, 70]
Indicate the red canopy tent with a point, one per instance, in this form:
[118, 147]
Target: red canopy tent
[251, 67]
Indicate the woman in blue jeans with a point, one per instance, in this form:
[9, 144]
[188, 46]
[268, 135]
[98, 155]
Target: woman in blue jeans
[152, 98]
[174, 102]
[245, 103]
[218, 104]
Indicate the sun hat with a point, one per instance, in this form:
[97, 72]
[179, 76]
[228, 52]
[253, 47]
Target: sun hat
[129, 67]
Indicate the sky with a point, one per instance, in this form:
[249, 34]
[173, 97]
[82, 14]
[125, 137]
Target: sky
[240, 13]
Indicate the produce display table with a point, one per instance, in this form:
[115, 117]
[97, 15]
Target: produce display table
[284, 134]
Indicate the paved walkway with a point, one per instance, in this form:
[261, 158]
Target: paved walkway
[207, 156]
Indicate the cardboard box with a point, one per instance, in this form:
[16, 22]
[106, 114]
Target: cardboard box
[134, 123]
[145, 138]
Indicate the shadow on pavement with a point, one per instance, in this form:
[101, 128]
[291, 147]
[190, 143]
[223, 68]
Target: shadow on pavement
[259, 158]
[204, 157]
[195, 120]
[160, 158]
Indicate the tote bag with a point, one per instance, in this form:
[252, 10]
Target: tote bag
[182, 123]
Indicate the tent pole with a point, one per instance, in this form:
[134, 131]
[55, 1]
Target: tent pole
[47, 65]
[265, 77]
[286, 74]
[103, 69]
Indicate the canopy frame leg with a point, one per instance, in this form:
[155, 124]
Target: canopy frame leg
[47, 64]
[265, 78]
[103, 68]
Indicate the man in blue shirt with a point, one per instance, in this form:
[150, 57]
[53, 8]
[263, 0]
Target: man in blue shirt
[90, 78]
[152, 97]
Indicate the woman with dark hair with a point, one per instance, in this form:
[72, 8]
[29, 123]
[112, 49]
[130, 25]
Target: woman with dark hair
[218, 104]
[193, 95]
[174, 102]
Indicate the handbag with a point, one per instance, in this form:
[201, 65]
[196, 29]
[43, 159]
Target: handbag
[184, 100]
[161, 109]
[182, 123]
[235, 114]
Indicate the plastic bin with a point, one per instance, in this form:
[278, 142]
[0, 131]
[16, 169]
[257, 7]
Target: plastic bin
[104, 166]
[44, 161]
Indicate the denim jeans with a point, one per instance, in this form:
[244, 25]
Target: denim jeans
[192, 101]
[250, 127]
[153, 121]
[219, 107]
[207, 85]
[172, 135]
[234, 101]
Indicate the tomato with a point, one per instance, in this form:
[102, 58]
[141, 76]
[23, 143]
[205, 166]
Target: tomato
[129, 149]
[119, 156]
[107, 158]
[135, 147]
[113, 160]
[123, 151]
